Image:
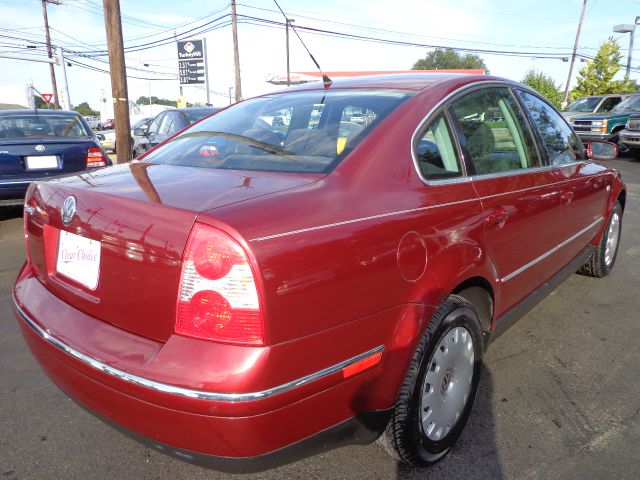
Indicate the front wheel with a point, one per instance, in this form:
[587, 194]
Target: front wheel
[602, 260]
[440, 386]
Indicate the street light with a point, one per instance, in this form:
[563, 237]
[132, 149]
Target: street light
[631, 30]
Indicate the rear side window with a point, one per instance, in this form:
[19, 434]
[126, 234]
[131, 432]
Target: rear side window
[609, 103]
[495, 130]
[436, 152]
[563, 146]
[304, 131]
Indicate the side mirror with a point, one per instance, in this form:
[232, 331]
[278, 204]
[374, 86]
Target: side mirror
[140, 132]
[597, 150]
[100, 137]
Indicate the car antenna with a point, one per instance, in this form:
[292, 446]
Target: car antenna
[325, 78]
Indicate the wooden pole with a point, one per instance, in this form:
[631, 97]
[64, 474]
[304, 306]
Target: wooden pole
[236, 54]
[54, 85]
[115, 46]
[573, 57]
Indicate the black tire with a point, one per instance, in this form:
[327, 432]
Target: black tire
[404, 437]
[601, 261]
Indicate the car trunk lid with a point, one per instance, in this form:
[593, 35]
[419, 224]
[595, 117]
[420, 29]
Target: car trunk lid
[139, 217]
[40, 157]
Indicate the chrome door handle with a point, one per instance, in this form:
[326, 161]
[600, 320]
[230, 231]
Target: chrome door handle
[566, 198]
[497, 218]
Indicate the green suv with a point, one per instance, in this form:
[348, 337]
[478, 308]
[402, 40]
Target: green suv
[606, 126]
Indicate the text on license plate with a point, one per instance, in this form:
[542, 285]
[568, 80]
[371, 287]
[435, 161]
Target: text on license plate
[79, 259]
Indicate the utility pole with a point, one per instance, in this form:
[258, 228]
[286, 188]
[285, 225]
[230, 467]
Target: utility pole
[115, 46]
[288, 20]
[573, 57]
[236, 54]
[54, 85]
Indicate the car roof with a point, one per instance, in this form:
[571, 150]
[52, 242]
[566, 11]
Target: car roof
[403, 81]
[37, 112]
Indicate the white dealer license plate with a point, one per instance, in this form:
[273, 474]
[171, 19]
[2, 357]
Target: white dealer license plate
[41, 162]
[79, 259]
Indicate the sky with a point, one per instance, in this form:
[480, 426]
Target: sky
[535, 29]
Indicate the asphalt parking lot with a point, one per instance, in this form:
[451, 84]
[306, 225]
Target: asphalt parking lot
[559, 397]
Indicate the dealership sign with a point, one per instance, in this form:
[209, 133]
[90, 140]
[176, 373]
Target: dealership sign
[191, 62]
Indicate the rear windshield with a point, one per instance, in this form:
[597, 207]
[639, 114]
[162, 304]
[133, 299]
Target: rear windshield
[587, 104]
[307, 131]
[48, 126]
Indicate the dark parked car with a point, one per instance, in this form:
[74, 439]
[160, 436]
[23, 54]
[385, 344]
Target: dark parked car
[37, 144]
[166, 124]
[246, 295]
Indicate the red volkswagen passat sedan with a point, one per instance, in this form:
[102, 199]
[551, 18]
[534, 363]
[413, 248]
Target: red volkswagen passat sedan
[254, 290]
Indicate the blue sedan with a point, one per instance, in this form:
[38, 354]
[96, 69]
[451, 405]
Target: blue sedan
[39, 144]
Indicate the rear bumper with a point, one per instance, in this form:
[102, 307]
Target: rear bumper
[244, 431]
[14, 190]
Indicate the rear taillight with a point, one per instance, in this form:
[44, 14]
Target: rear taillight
[218, 297]
[95, 158]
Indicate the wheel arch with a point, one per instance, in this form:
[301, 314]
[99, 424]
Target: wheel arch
[479, 292]
[622, 198]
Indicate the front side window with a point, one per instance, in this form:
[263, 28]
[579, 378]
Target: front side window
[303, 131]
[563, 146]
[495, 130]
[166, 124]
[155, 124]
[436, 152]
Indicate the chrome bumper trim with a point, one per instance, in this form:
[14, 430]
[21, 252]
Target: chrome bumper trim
[550, 252]
[629, 134]
[187, 392]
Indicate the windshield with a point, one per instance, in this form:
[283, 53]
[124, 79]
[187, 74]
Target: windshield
[30, 125]
[587, 104]
[629, 103]
[139, 123]
[307, 131]
[195, 114]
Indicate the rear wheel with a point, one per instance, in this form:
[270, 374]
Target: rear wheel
[602, 260]
[440, 386]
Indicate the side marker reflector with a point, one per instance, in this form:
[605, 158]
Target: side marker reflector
[362, 365]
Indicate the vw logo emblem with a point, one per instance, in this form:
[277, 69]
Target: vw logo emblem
[68, 209]
[40, 148]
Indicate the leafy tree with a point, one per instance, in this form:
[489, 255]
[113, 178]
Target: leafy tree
[597, 76]
[544, 85]
[39, 102]
[446, 59]
[156, 101]
[85, 110]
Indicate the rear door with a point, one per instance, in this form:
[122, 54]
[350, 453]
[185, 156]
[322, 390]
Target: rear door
[520, 198]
